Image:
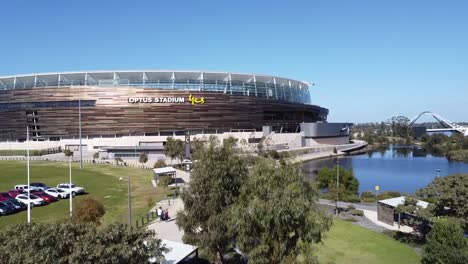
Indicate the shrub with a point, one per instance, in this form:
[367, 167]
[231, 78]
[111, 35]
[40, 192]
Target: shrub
[149, 201]
[351, 198]
[367, 194]
[89, 210]
[159, 164]
[368, 199]
[357, 212]
[351, 207]
[96, 155]
[165, 181]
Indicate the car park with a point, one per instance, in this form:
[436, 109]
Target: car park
[6, 209]
[47, 198]
[18, 206]
[33, 199]
[5, 196]
[25, 188]
[71, 188]
[39, 185]
[14, 193]
[57, 193]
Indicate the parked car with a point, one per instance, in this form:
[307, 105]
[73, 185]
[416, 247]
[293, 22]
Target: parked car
[19, 206]
[47, 198]
[6, 209]
[14, 193]
[57, 193]
[35, 200]
[25, 188]
[71, 188]
[5, 196]
[39, 185]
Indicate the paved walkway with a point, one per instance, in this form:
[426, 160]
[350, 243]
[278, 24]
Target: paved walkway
[169, 230]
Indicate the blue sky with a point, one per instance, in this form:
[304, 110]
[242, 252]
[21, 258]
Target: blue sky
[370, 59]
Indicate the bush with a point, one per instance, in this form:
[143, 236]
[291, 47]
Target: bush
[351, 207]
[159, 164]
[89, 210]
[367, 195]
[149, 201]
[369, 199]
[351, 198]
[357, 212]
[96, 155]
[165, 181]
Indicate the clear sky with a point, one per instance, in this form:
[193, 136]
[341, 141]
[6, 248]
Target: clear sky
[370, 60]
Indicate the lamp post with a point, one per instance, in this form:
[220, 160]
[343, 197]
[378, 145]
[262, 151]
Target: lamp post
[438, 173]
[70, 184]
[29, 187]
[337, 184]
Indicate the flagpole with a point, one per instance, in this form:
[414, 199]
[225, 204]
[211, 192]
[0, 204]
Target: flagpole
[29, 187]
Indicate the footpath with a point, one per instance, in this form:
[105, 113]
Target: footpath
[169, 230]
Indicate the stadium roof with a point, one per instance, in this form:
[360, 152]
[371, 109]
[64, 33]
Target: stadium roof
[136, 77]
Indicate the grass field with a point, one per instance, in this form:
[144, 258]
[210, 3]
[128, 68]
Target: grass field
[100, 181]
[348, 243]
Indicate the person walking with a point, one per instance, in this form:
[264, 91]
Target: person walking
[160, 213]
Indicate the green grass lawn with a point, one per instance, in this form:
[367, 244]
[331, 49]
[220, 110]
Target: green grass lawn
[100, 181]
[349, 243]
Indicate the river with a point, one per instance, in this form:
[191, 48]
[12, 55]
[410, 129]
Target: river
[396, 168]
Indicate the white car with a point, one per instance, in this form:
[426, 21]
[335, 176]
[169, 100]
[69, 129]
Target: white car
[35, 200]
[24, 188]
[57, 193]
[71, 188]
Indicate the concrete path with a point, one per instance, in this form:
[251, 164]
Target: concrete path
[169, 230]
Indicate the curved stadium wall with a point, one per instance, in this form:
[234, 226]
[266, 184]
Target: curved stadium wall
[115, 103]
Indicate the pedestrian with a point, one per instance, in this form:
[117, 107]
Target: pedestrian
[160, 213]
[166, 215]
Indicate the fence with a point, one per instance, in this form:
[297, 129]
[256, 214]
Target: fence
[90, 161]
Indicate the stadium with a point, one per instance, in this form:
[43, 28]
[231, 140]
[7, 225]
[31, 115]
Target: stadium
[156, 103]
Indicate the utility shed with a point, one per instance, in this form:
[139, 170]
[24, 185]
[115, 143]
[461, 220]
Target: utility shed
[165, 171]
[386, 209]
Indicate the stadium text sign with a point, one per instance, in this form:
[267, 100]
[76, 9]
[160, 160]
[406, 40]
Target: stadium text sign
[166, 100]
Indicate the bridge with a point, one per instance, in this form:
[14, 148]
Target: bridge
[446, 124]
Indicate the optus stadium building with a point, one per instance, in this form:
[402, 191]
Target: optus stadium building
[117, 103]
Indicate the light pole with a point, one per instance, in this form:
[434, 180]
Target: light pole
[70, 184]
[29, 187]
[337, 184]
[79, 121]
[438, 173]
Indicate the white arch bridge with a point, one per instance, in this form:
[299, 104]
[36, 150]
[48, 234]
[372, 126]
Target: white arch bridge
[446, 124]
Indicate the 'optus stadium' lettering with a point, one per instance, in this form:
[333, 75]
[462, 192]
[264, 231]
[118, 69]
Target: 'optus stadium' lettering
[162, 100]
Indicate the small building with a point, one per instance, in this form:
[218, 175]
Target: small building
[386, 209]
[164, 172]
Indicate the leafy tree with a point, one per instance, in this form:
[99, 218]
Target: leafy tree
[174, 148]
[446, 243]
[67, 152]
[89, 210]
[277, 216]
[71, 242]
[230, 141]
[143, 158]
[420, 217]
[348, 184]
[195, 145]
[448, 194]
[214, 188]
[159, 164]
[96, 155]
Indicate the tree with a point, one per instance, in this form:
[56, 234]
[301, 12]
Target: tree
[448, 194]
[446, 243]
[67, 152]
[277, 219]
[165, 181]
[174, 148]
[89, 210]
[217, 177]
[96, 155]
[71, 242]
[117, 160]
[143, 158]
[348, 184]
[159, 164]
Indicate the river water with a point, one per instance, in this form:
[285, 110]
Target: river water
[396, 168]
